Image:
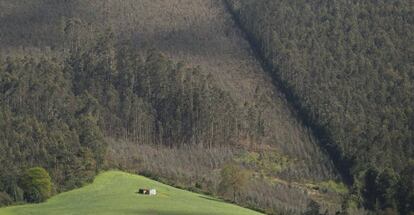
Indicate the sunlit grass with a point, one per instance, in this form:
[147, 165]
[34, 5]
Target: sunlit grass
[114, 192]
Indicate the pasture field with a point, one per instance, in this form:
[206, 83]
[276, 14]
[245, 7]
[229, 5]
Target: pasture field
[114, 192]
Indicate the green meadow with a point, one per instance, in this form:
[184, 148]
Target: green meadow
[114, 192]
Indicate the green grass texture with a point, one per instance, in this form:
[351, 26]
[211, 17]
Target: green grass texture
[114, 192]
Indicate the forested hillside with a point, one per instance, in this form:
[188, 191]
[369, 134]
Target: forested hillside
[306, 105]
[168, 89]
[54, 114]
[347, 66]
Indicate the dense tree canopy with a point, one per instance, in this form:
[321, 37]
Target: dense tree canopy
[347, 66]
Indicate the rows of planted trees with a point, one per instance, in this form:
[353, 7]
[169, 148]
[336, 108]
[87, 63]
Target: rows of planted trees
[347, 67]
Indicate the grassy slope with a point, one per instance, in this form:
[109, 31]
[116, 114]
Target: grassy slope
[113, 192]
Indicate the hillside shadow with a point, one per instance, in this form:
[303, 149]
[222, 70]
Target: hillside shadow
[26, 25]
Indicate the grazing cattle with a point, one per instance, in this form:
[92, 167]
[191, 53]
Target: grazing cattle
[147, 191]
